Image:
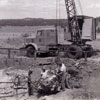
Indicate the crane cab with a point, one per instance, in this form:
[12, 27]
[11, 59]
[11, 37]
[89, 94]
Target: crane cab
[87, 25]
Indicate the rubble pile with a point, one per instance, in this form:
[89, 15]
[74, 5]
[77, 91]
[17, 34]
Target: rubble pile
[88, 69]
[79, 70]
[8, 82]
[4, 87]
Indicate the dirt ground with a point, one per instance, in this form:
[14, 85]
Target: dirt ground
[90, 72]
[89, 91]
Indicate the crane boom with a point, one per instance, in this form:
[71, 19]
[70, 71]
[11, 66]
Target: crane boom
[73, 22]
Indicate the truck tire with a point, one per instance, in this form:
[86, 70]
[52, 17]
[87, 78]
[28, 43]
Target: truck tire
[67, 83]
[30, 51]
[74, 52]
[89, 51]
[52, 53]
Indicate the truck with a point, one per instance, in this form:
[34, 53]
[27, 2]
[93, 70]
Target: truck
[50, 41]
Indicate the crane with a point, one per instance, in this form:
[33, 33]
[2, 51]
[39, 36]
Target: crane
[73, 22]
[47, 41]
[78, 44]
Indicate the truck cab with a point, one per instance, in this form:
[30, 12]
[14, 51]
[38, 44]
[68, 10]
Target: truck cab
[46, 37]
[41, 43]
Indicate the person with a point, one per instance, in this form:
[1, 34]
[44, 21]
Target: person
[61, 69]
[44, 73]
[30, 90]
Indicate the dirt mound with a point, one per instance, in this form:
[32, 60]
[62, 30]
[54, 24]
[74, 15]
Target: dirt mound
[80, 70]
[84, 75]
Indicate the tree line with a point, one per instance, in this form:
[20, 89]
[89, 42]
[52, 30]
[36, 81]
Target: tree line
[32, 22]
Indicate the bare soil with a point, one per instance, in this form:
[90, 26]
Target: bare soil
[89, 71]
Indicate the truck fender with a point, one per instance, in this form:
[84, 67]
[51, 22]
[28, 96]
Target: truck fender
[33, 45]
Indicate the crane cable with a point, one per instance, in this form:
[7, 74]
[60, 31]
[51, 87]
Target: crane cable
[58, 11]
[57, 27]
[58, 14]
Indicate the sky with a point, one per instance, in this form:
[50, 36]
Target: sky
[13, 9]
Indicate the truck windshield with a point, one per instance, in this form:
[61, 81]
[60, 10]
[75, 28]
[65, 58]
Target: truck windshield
[39, 33]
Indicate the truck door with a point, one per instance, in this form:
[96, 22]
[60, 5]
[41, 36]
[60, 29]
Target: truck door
[40, 37]
[50, 37]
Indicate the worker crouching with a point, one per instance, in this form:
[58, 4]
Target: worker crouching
[48, 83]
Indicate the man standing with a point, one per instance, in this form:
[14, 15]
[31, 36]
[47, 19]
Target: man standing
[30, 89]
[61, 69]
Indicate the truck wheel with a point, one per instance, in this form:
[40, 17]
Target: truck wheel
[89, 51]
[67, 83]
[74, 52]
[30, 51]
